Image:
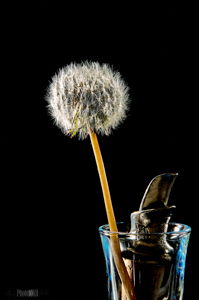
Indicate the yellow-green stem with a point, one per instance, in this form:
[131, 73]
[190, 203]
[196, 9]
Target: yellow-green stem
[128, 285]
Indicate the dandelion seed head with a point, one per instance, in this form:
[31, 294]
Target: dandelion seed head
[87, 95]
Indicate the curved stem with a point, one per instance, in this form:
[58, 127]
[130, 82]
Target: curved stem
[128, 285]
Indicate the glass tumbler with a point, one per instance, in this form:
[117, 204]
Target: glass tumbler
[157, 274]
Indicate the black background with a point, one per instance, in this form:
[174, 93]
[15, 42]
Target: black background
[51, 198]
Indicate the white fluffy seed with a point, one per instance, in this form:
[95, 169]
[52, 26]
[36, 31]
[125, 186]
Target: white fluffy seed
[87, 95]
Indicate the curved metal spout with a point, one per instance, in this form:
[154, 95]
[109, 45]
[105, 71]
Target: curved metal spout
[158, 191]
[154, 214]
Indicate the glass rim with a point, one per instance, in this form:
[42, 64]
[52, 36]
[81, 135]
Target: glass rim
[187, 229]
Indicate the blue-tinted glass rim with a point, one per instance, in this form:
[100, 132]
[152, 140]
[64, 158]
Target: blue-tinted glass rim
[187, 229]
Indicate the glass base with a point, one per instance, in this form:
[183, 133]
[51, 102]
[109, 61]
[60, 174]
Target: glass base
[157, 274]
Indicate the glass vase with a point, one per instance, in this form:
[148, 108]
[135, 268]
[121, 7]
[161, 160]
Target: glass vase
[156, 275]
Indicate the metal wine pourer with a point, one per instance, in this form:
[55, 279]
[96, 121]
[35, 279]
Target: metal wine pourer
[153, 217]
[148, 256]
